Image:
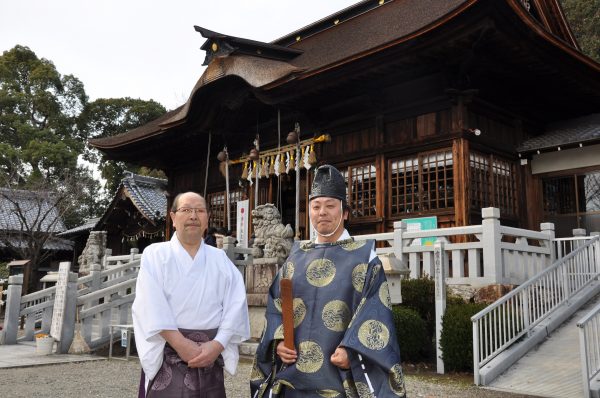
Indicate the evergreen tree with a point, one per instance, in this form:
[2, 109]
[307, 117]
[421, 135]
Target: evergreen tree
[584, 18]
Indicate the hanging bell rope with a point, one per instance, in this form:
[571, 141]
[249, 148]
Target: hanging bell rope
[207, 162]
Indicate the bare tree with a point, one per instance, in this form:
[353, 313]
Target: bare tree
[31, 216]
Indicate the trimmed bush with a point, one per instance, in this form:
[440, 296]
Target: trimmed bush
[411, 332]
[457, 336]
[419, 294]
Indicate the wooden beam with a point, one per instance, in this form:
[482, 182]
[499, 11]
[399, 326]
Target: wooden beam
[460, 155]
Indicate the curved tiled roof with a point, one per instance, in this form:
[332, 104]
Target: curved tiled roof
[344, 37]
[88, 225]
[147, 194]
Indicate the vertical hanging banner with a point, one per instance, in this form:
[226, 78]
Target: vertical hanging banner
[242, 222]
[58, 311]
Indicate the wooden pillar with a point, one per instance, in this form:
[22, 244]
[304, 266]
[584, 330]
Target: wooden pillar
[380, 167]
[460, 155]
[531, 205]
[380, 188]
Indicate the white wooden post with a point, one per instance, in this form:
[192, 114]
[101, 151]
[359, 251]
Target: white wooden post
[440, 264]
[492, 253]
[13, 306]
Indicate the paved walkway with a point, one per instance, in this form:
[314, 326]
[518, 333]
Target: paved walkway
[23, 354]
[552, 369]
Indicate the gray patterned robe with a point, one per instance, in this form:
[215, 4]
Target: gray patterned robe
[340, 299]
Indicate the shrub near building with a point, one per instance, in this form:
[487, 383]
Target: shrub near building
[418, 300]
[457, 336]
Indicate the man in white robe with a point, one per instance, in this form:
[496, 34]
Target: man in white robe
[190, 311]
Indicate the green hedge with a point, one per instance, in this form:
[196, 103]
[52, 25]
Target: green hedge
[412, 334]
[419, 295]
[457, 336]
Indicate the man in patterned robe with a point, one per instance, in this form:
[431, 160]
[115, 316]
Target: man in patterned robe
[344, 336]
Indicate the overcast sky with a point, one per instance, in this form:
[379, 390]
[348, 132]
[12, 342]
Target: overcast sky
[144, 49]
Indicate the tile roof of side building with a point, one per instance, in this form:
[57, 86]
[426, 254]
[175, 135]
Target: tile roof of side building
[36, 207]
[572, 132]
[147, 194]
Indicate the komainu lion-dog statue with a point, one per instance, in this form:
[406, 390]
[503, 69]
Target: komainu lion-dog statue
[272, 239]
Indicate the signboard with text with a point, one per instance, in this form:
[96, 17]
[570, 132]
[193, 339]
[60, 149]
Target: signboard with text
[58, 312]
[421, 224]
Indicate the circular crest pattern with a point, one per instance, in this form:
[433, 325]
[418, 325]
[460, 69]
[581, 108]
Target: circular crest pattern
[358, 277]
[256, 373]
[357, 312]
[336, 315]
[350, 389]
[353, 245]
[288, 270]
[396, 380]
[277, 304]
[384, 295]
[163, 378]
[363, 390]
[329, 393]
[310, 357]
[320, 272]
[278, 334]
[299, 311]
[374, 335]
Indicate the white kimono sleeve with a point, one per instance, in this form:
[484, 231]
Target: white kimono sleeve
[151, 314]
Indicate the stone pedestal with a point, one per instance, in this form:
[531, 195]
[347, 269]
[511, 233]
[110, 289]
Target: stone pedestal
[259, 277]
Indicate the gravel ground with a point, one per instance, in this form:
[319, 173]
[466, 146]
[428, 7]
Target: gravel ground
[108, 379]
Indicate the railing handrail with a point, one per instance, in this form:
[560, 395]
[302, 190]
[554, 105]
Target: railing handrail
[590, 365]
[525, 233]
[593, 312]
[122, 257]
[558, 263]
[48, 292]
[122, 267]
[569, 238]
[108, 290]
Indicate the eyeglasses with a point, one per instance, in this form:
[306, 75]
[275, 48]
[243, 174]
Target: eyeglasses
[189, 211]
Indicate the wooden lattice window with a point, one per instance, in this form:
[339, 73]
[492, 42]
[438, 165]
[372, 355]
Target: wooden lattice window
[423, 182]
[493, 183]
[216, 202]
[361, 188]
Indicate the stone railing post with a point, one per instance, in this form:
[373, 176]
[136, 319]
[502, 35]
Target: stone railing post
[440, 260]
[492, 252]
[228, 246]
[133, 252]
[578, 233]
[399, 230]
[68, 327]
[96, 282]
[107, 254]
[13, 306]
[548, 229]
[597, 260]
